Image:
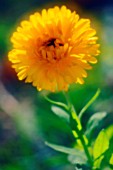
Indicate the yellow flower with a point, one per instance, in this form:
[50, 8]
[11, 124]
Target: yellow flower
[53, 49]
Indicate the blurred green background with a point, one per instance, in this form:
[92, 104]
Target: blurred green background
[26, 119]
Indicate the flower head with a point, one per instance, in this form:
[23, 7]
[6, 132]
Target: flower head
[53, 49]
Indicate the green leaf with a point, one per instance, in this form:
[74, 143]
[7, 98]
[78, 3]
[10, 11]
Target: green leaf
[94, 122]
[109, 132]
[71, 151]
[89, 103]
[78, 158]
[111, 160]
[98, 162]
[56, 103]
[100, 146]
[60, 113]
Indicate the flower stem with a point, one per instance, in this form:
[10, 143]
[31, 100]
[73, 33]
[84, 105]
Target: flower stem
[81, 138]
[78, 129]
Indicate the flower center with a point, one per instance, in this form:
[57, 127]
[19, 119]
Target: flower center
[51, 50]
[53, 42]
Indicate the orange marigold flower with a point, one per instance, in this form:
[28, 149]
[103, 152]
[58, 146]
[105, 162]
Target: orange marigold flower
[53, 49]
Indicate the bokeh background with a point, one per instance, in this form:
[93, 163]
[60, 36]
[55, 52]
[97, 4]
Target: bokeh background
[26, 118]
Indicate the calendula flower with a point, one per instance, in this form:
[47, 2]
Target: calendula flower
[53, 49]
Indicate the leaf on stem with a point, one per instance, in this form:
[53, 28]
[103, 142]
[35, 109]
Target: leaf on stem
[94, 122]
[89, 103]
[100, 146]
[56, 103]
[111, 160]
[109, 132]
[75, 155]
[71, 151]
[78, 158]
[60, 113]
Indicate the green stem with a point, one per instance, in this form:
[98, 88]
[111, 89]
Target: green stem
[77, 130]
[67, 99]
[81, 138]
